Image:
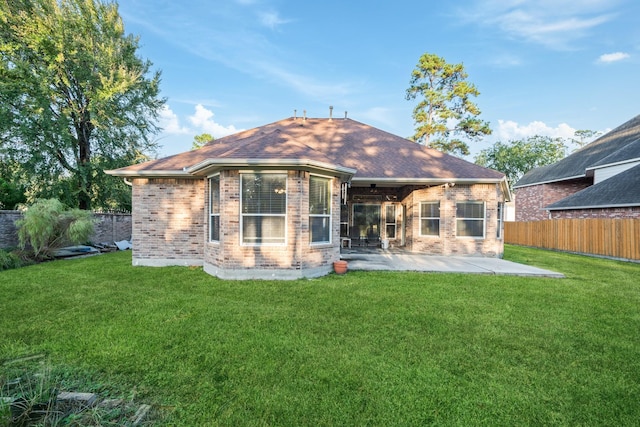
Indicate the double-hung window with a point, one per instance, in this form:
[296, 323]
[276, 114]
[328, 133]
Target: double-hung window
[390, 221]
[320, 209]
[263, 208]
[430, 218]
[500, 220]
[214, 208]
[470, 219]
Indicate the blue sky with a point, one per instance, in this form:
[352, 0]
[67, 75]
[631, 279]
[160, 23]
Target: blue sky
[545, 67]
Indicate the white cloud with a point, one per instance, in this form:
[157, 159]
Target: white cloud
[170, 123]
[612, 57]
[509, 130]
[272, 19]
[554, 23]
[203, 120]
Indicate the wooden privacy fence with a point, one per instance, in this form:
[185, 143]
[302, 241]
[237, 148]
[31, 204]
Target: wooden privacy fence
[617, 238]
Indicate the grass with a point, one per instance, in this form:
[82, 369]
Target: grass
[366, 348]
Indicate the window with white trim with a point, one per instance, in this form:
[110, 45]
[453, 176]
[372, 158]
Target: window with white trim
[470, 219]
[319, 209]
[500, 220]
[390, 221]
[214, 208]
[430, 218]
[263, 208]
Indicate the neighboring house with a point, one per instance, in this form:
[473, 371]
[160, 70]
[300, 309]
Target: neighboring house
[280, 200]
[601, 180]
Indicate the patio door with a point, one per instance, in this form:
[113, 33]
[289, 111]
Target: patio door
[366, 220]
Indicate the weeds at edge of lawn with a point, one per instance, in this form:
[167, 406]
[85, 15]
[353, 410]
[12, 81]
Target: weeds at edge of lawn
[29, 390]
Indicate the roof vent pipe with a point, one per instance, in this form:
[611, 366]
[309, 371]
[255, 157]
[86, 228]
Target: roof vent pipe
[345, 114]
[330, 112]
[304, 114]
[295, 114]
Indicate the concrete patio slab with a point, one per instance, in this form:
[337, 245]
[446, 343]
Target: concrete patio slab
[441, 264]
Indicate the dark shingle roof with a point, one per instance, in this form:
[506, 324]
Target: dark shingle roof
[620, 190]
[373, 153]
[620, 144]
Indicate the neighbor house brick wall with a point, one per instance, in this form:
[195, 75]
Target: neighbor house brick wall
[447, 243]
[109, 227]
[297, 257]
[168, 221]
[531, 200]
[613, 213]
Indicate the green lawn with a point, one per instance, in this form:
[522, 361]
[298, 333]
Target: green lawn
[366, 348]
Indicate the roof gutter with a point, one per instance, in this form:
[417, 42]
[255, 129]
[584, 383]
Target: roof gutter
[569, 178]
[213, 165]
[569, 208]
[435, 181]
[149, 174]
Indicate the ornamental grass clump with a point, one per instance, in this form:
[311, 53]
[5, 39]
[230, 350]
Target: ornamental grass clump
[48, 225]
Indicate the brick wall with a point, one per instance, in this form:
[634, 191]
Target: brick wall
[228, 258]
[447, 243]
[168, 221]
[531, 201]
[613, 213]
[110, 227]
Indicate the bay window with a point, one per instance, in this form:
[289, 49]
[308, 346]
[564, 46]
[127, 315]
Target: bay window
[320, 209]
[214, 208]
[263, 208]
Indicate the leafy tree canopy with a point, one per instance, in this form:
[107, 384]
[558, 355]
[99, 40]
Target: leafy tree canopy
[515, 158]
[445, 111]
[201, 140]
[75, 99]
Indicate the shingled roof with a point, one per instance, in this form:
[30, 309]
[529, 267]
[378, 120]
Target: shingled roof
[343, 145]
[620, 144]
[621, 190]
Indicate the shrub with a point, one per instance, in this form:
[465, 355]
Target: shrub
[9, 260]
[48, 225]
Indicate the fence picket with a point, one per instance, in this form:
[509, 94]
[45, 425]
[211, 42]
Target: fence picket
[617, 238]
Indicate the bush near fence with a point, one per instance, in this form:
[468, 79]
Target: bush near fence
[615, 238]
[110, 227]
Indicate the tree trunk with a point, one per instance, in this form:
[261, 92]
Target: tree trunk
[84, 165]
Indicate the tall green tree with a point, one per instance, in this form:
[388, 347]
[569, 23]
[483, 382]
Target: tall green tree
[75, 97]
[201, 140]
[517, 157]
[445, 111]
[584, 136]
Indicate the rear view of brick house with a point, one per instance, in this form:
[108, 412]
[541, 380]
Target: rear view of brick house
[279, 200]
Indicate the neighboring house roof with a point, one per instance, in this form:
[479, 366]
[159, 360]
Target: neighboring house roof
[619, 145]
[349, 147]
[621, 190]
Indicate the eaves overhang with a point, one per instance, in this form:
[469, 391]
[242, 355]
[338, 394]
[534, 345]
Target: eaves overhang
[394, 182]
[148, 173]
[212, 166]
[568, 178]
[570, 208]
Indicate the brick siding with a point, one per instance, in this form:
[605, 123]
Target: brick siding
[168, 221]
[229, 258]
[531, 201]
[447, 243]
